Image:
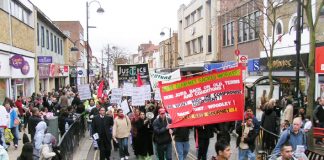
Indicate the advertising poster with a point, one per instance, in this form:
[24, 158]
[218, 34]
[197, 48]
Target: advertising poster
[128, 74]
[206, 99]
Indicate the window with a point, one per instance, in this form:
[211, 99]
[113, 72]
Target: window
[188, 20]
[55, 44]
[200, 44]
[322, 11]
[209, 43]
[199, 13]
[240, 30]
[224, 35]
[278, 28]
[228, 34]
[61, 47]
[52, 41]
[252, 26]
[37, 34]
[245, 28]
[257, 24]
[292, 23]
[43, 36]
[58, 45]
[47, 39]
[188, 48]
[20, 12]
[193, 16]
[194, 48]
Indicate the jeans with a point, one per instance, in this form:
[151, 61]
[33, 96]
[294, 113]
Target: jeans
[243, 153]
[2, 138]
[15, 134]
[164, 151]
[182, 149]
[123, 147]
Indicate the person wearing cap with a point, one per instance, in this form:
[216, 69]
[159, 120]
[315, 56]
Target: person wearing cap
[162, 137]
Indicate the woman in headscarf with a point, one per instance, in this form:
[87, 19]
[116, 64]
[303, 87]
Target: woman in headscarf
[39, 136]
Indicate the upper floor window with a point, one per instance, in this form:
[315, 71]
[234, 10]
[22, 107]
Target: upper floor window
[55, 44]
[249, 27]
[52, 41]
[199, 13]
[278, 29]
[193, 16]
[47, 39]
[43, 36]
[20, 12]
[188, 20]
[37, 34]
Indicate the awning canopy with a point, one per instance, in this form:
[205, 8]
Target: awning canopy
[252, 80]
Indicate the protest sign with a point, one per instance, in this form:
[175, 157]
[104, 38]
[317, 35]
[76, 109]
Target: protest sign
[84, 91]
[206, 99]
[124, 106]
[116, 95]
[146, 92]
[164, 78]
[128, 74]
[157, 95]
[137, 96]
[127, 90]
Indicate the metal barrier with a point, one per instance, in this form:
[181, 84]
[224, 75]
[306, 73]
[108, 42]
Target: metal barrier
[71, 139]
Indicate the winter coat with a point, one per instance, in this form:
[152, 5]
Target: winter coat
[46, 149]
[143, 141]
[3, 154]
[39, 135]
[288, 114]
[250, 139]
[4, 117]
[161, 133]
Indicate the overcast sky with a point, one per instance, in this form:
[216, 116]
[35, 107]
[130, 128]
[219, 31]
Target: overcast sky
[125, 23]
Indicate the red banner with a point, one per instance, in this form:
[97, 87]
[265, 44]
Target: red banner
[207, 99]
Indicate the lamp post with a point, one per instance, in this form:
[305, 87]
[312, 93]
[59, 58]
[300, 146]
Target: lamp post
[170, 46]
[297, 42]
[99, 10]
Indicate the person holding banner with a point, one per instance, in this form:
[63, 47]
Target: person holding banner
[202, 136]
[245, 141]
[162, 136]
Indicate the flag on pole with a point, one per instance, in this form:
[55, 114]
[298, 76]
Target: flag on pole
[100, 89]
[139, 80]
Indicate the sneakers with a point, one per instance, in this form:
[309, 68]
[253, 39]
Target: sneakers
[16, 146]
[126, 157]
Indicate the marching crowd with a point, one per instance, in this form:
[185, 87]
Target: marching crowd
[146, 128]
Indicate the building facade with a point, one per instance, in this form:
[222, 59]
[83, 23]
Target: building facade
[168, 53]
[17, 49]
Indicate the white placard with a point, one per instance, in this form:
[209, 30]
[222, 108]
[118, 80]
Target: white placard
[124, 106]
[164, 78]
[137, 97]
[116, 95]
[128, 89]
[84, 91]
[147, 92]
[157, 95]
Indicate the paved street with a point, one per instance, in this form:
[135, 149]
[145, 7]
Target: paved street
[94, 154]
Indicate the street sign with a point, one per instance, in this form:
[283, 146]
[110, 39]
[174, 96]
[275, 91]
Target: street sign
[237, 52]
[243, 59]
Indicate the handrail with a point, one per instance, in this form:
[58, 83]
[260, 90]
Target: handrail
[71, 138]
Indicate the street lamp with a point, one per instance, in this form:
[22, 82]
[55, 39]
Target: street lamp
[99, 10]
[170, 47]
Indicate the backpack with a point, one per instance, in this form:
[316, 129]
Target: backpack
[8, 135]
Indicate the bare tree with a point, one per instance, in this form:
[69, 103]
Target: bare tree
[115, 54]
[266, 10]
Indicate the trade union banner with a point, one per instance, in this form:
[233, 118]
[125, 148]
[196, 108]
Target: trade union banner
[211, 98]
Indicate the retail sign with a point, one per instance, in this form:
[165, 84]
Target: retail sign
[220, 66]
[73, 72]
[44, 59]
[283, 63]
[243, 59]
[44, 71]
[319, 60]
[128, 74]
[237, 52]
[63, 70]
[214, 97]
[17, 61]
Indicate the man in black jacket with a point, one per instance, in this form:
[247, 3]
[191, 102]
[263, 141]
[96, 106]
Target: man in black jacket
[204, 135]
[162, 136]
[101, 129]
[32, 122]
[245, 141]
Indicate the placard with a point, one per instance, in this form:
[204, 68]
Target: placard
[128, 74]
[116, 95]
[211, 98]
[146, 92]
[157, 95]
[137, 97]
[124, 106]
[84, 91]
[128, 89]
[164, 78]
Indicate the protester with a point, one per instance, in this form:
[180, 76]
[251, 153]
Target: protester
[319, 117]
[27, 152]
[121, 132]
[308, 124]
[101, 129]
[245, 141]
[204, 134]
[268, 122]
[64, 101]
[162, 137]
[294, 135]
[286, 152]
[224, 129]
[288, 112]
[41, 129]
[32, 122]
[181, 138]
[223, 150]
[13, 118]
[143, 146]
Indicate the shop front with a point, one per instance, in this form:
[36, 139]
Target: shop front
[59, 74]
[81, 75]
[22, 76]
[43, 72]
[319, 69]
[4, 76]
[73, 75]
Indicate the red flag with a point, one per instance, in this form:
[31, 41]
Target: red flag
[100, 89]
[139, 80]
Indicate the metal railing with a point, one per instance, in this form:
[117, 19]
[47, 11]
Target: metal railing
[72, 137]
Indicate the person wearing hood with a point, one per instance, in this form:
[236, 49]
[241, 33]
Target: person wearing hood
[46, 149]
[268, 122]
[39, 136]
[294, 135]
[3, 153]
